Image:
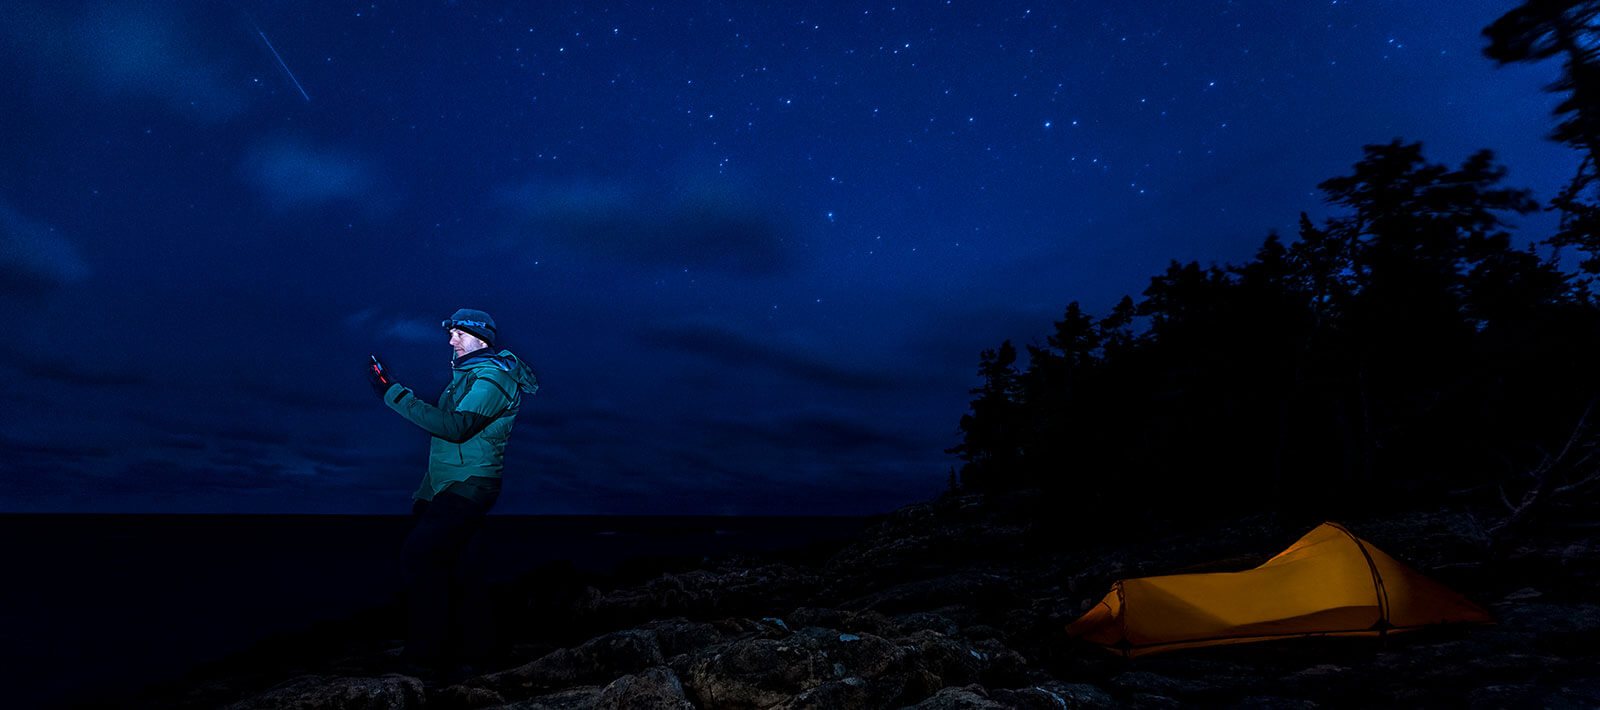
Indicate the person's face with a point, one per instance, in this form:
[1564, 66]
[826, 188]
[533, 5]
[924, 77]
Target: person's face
[463, 342]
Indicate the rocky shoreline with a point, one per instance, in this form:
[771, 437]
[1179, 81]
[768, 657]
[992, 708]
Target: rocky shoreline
[954, 604]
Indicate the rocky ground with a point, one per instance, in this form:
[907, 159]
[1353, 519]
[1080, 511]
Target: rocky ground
[955, 604]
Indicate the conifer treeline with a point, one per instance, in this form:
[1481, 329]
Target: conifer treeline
[1401, 351]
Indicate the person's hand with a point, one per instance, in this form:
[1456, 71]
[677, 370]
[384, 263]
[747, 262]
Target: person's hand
[378, 376]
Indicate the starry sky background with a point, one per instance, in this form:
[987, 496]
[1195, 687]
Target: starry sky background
[752, 249]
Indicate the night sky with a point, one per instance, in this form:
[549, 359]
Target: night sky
[752, 249]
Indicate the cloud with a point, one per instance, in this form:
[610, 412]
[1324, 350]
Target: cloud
[33, 258]
[411, 330]
[293, 176]
[699, 228]
[224, 475]
[322, 395]
[76, 451]
[181, 442]
[830, 431]
[736, 349]
[342, 457]
[62, 368]
[127, 49]
[259, 435]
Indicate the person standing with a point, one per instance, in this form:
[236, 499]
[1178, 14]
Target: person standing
[450, 622]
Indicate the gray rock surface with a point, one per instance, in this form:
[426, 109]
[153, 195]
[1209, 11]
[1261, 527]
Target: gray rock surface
[655, 689]
[961, 603]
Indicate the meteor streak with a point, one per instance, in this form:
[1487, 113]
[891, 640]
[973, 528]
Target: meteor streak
[275, 55]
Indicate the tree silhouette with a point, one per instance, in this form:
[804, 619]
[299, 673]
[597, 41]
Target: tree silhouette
[992, 434]
[1404, 349]
[1544, 29]
[1398, 351]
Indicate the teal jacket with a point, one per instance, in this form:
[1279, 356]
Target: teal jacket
[471, 423]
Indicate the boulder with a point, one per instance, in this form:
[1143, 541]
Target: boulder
[1157, 684]
[913, 622]
[678, 636]
[870, 622]
[1577, 694]
[599, 660]
[701, 593]
[584, 698]
[860, 655]
[972, 697]
[466, 697]
[655, 689]
[851, 693]
[1552, 620]
[1054, 695]
[755, 673]
[954, 663]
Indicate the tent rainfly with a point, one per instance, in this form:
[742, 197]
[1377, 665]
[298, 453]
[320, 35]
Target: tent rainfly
[1329, 583]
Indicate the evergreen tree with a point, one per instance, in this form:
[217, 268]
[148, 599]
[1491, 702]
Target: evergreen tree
[1385, 355]
[991, 443]
[1570, 30]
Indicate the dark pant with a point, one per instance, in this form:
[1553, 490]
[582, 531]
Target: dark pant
[447, 597]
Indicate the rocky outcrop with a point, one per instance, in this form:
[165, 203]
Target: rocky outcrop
[599, 660]
[960, 603]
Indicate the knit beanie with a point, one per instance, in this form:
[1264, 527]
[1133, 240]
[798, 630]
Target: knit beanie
[473, 321]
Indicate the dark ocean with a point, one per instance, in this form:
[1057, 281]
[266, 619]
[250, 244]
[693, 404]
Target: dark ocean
[92, 605]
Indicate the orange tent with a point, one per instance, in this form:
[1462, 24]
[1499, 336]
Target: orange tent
[1329, 583]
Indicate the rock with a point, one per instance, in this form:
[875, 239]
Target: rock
[924, 620]
[1320, 673]
[982, 632]
[941, 534]
[850, 693]
[702, 593]
[954, 663]
[601, 659]
[1316, 680]
[1156, 684]
[1582, 694]
[870, 622]
[805, 616]
[918, 684]
[1151, 701]
[756, 673]
[972, 697]
[1263, 702]
[862, 655]
[1003, 667]
[969, 588]
[584, 698]
[952, 605]
[1578, 619]
[679, 636]
[466, 696]
[1054, 695]
[654, 689]
[389, 692]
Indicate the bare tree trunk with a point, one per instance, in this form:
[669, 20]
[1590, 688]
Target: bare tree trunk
[1575, 462]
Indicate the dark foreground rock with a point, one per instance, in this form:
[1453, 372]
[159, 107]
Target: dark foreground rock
[390, 692]
[957, 604]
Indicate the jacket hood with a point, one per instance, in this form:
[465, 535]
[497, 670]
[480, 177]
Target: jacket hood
[504, 361]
